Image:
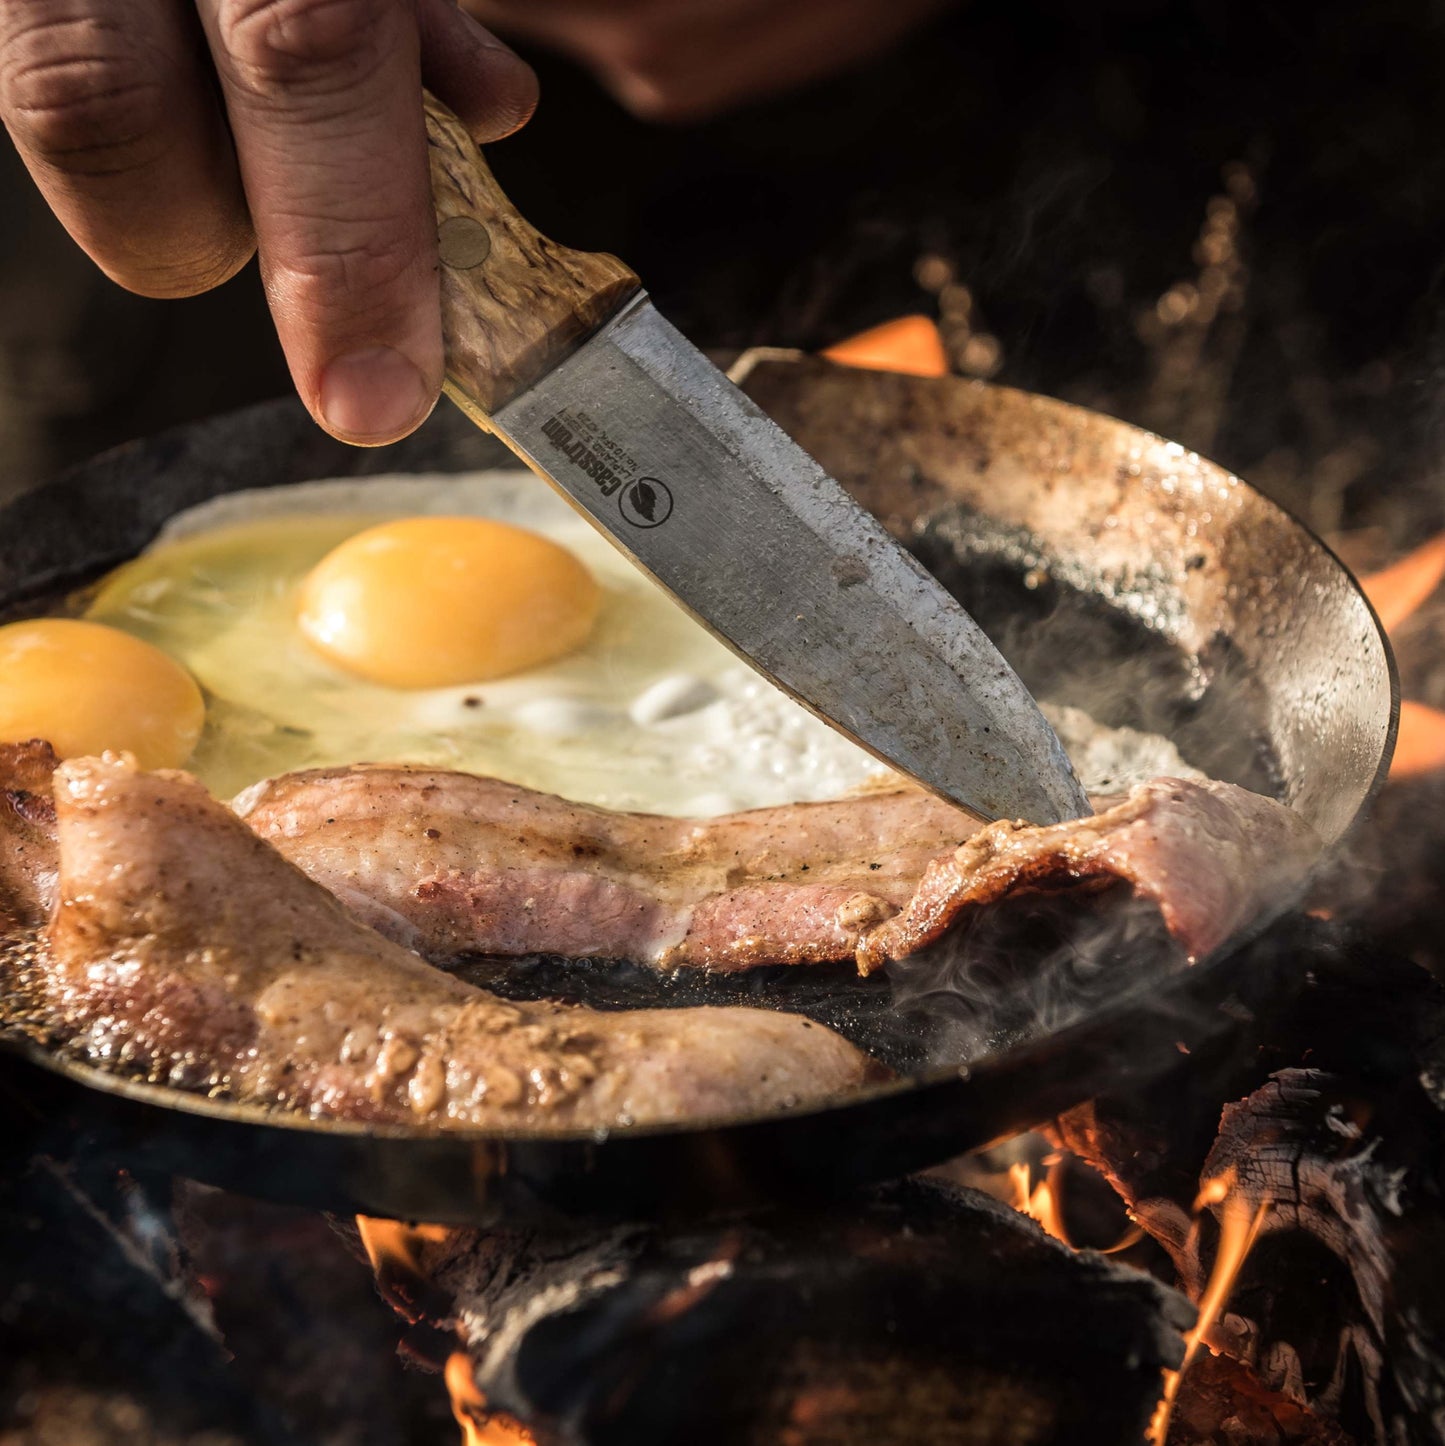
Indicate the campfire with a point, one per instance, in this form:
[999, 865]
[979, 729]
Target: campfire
[1248, 1249]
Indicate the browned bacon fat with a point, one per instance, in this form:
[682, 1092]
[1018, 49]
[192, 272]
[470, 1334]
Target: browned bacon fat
[1210, 855]
[27, 833]
[187, 947]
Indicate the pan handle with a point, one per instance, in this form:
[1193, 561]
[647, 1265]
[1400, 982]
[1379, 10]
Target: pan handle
[514, 304]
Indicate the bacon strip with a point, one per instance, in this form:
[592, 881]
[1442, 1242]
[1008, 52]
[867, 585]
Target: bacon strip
[1210, 855]
[461, 864]
[450, 863]
[187, 948]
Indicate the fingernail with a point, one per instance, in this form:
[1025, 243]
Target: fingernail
[374, 396]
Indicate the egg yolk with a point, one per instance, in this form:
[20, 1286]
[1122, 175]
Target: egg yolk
[84, 687]
[429, 602]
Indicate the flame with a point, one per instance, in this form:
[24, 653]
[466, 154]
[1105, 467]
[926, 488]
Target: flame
[1045, 1203]
[1398, 590]
[1040, 1202]
[396, 1244]
[1019, 1177]
[1420, 744]
[480, 1427]
[1238, 1229]
[1396, 593]
[394, 1249]
[911, 345]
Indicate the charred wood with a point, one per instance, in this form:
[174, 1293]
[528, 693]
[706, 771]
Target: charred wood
[1352, 1184]
[150, 1311]
[300, 1318]
[100, 1342]
[918, 1313]
[1330, 1114]
[1224, 1403]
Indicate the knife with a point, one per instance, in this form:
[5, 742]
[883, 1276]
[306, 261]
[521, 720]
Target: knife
[562, 355]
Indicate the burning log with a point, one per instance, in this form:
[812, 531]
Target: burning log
[302, 1323]
[1222, 1401]
[1326, 1120]
[917, 1313]
[1340, 1167]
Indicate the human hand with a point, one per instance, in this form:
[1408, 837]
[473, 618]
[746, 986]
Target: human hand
[684, 59]
[173, 138]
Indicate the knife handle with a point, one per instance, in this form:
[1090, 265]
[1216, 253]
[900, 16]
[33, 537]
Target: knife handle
[513, 302]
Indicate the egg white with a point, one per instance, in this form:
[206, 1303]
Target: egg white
[650, 713]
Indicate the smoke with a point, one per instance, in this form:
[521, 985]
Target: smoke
[1029, 967]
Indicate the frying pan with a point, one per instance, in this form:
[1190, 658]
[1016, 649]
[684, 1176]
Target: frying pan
[1116, 570]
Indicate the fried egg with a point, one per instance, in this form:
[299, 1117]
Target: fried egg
[423, 602]
[84, 688]
[474, 623]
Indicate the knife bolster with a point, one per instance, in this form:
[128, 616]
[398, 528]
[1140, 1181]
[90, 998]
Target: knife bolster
[514, 304]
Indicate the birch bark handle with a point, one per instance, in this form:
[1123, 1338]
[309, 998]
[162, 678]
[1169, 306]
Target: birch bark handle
[513, 302]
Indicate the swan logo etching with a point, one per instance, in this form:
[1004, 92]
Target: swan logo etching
[647, 502]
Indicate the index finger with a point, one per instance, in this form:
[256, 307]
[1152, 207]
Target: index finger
[324, 98]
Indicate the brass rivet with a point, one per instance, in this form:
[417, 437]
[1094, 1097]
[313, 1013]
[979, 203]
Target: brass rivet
[463, 242]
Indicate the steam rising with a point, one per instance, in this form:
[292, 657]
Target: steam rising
[1028, 967]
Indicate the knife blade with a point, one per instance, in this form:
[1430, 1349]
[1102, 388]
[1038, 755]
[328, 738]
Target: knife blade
[564, 357]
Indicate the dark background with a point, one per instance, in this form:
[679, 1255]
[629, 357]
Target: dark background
[1225, 221]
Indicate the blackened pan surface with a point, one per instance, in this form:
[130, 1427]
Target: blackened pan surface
[1115, 570]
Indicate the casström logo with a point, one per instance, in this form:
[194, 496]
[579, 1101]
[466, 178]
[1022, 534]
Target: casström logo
[646, 502]
[560, 435]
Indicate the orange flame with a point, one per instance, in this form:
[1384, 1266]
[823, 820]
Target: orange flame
[396, 1243]
[1420, 745]
[480, 1427]
[1238, 1229]
[1397, 592]
[1132, 1236]
[394, 1249]
[911, 345]
[1040, 1202]
[1045, 1203]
